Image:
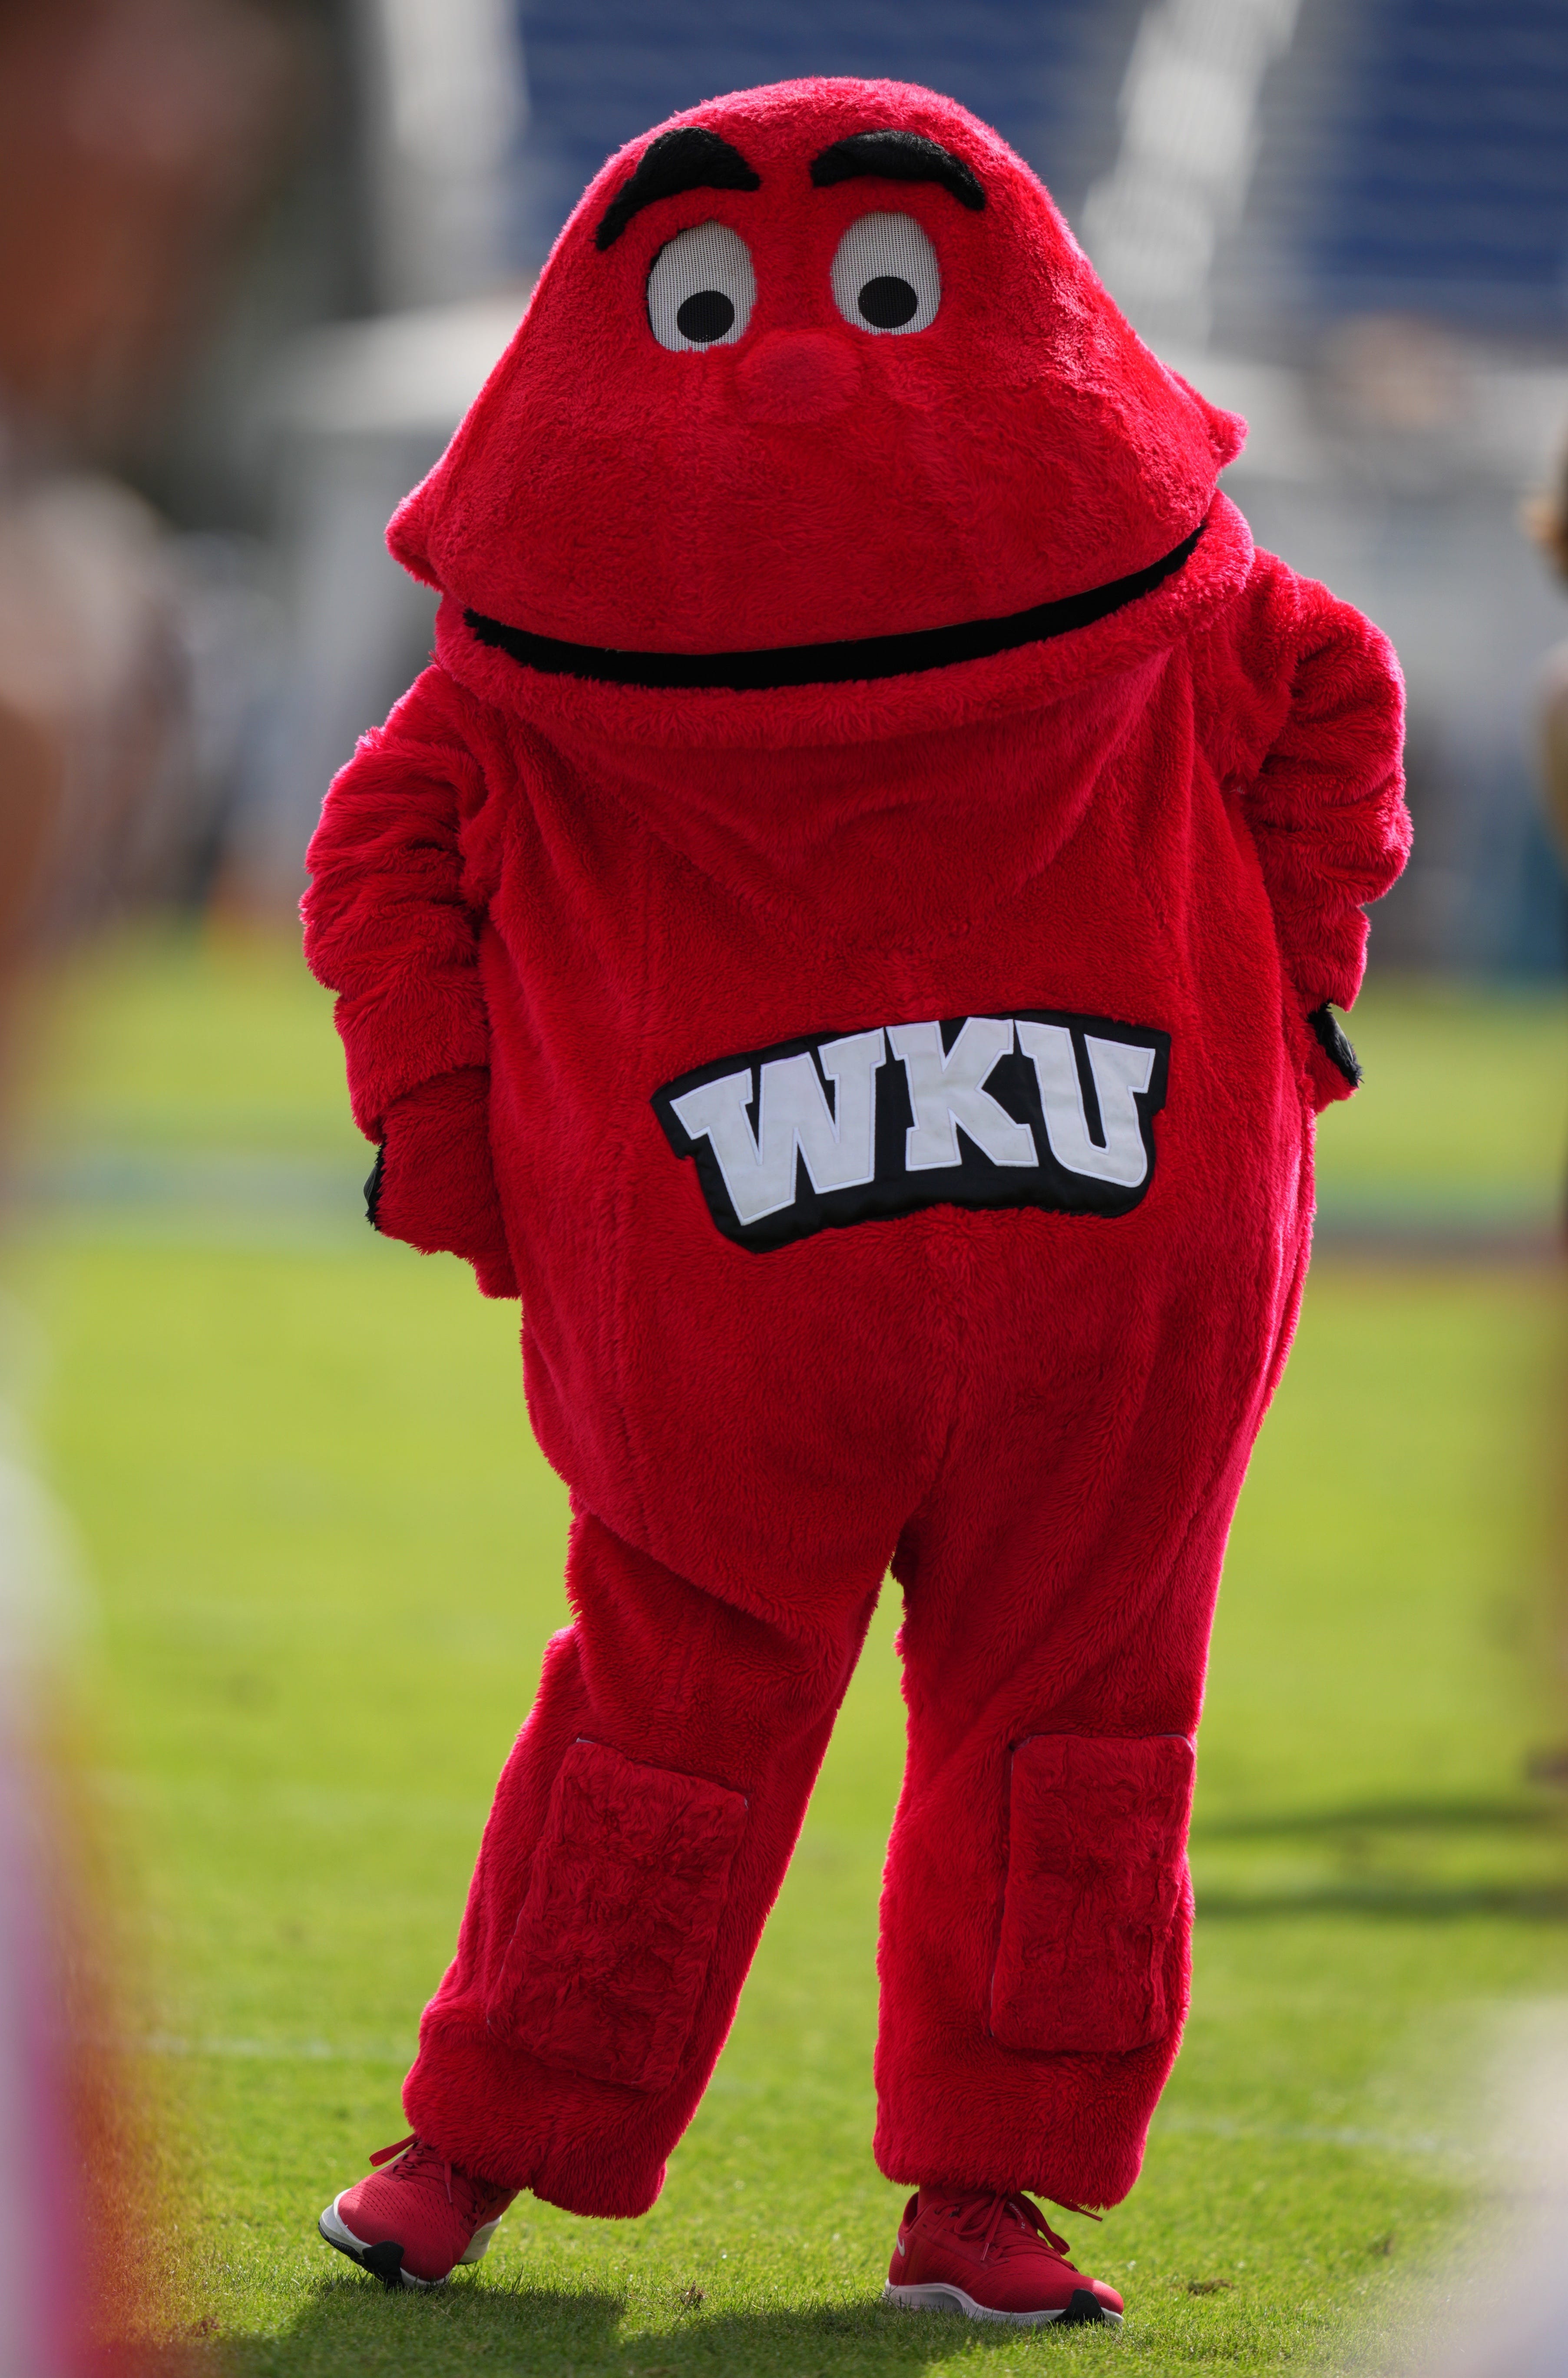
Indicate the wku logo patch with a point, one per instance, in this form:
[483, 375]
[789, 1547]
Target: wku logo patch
[1036, 1108]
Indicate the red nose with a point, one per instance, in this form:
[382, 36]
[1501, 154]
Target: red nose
[799, 376]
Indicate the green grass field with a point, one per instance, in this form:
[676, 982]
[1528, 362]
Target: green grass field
[325, 1554]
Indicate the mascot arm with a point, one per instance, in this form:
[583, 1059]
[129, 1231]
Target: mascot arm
[391, 928]
[1326, 804]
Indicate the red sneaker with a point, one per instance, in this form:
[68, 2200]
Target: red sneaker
[413, 2224]
[991, 2257]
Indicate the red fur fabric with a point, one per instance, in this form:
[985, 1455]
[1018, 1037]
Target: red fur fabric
[435, 1186]
[894, 1095]
[603, 1971]
[1096, 1830]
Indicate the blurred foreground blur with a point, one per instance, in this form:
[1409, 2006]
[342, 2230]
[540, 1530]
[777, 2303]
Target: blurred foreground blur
[134, 142]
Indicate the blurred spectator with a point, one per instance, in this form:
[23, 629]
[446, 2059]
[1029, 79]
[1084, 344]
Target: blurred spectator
[138, 138]
[1548, 521]
[1399, 397]
[90, 693]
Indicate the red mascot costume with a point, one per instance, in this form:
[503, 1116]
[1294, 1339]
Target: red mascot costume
[846, 928]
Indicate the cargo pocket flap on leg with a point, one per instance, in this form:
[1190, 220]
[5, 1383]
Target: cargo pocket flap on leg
[1096, 1857]
[607, 1961]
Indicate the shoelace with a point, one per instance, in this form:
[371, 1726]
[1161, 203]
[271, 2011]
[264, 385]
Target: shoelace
[983, 2217]
[415, 2158]
[412, 2158]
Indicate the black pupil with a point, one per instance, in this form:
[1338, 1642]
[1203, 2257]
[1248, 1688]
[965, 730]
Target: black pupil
[706, 316]
[888, 302]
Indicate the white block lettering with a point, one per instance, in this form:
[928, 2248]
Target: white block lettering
[1120, 1071]
[949, 1091]
[794, 1118]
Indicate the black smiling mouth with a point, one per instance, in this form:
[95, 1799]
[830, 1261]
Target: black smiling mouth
[853, 660]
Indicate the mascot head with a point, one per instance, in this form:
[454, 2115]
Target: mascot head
[815, 385]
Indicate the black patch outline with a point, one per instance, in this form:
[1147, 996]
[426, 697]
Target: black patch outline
[896, 154]
[856, 660]
[690, 158]
[975, 1182]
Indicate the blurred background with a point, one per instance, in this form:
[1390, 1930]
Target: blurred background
[258, 256]
[255, 258]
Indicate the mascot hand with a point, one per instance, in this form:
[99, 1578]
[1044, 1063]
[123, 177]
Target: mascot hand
[1332, 1068]
[433, 1185]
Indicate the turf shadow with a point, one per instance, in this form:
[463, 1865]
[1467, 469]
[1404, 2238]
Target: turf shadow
[349, 2325]
[1422, 1903]
[1473, 1815]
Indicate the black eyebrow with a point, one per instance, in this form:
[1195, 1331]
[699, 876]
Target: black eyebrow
[894, 156]
[687, 159]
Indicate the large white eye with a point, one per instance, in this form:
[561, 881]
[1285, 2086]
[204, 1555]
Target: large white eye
[701, 289]
[885, 275]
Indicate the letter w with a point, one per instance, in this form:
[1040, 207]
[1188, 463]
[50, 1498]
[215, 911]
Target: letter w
[840, 1148]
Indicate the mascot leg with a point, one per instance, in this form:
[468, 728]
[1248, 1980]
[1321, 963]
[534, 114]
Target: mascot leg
[640, 1833]
[1059, 1588]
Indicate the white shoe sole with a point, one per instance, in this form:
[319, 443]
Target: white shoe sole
[1085, 2311]
[384, 2261]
